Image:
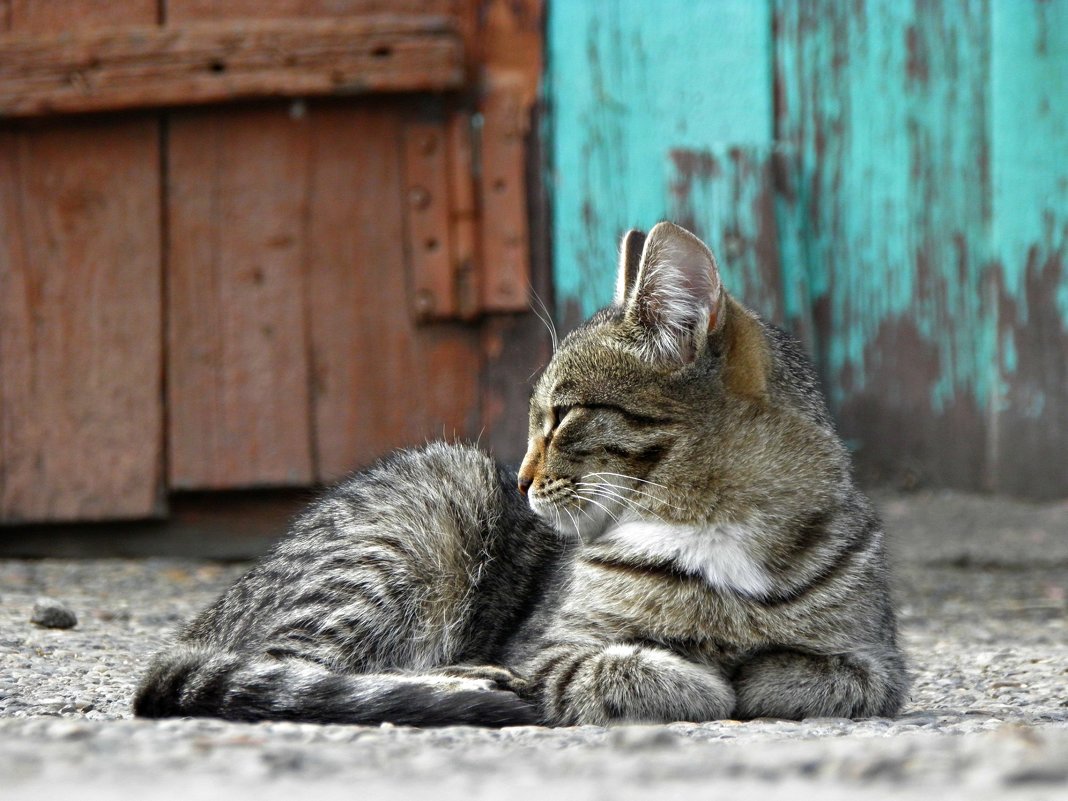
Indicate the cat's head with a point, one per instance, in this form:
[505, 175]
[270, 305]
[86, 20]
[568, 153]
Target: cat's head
[642, 408]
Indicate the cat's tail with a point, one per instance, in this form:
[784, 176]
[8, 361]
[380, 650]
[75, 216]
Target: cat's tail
[192, 681]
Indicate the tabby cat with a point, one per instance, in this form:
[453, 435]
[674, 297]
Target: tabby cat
[692, 548]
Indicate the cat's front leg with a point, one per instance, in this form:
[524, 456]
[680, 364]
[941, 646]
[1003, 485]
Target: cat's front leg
[797, 685]
[577, 685]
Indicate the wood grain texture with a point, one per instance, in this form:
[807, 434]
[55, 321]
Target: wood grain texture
[237, 354]
[380, 381]
[726, 196]
[510, 40]
[326, 369]
[107, 69]
[184, 10]
[55, 16]
[80, 340]
[464, 223]
[516, 271]
[920, 196]
[426, 206]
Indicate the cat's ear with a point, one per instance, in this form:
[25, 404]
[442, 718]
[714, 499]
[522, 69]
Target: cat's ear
[630, 259]
[677, 298]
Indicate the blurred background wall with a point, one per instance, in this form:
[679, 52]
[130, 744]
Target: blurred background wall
[252, 245]
[886, 178]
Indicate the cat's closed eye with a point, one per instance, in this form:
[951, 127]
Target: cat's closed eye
[559, 413]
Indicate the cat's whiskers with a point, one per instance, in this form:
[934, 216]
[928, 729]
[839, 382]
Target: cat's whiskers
[614, 490]
[629, 503]
[547, 319]
[588, 499]
[574, 522]
[650, 495]
[629, 478]
[605, 491]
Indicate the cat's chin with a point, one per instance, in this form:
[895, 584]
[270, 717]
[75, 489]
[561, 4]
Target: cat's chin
[585, 532]
[571, 524]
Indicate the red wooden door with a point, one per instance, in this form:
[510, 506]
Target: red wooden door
[80, 304]
[200, 294]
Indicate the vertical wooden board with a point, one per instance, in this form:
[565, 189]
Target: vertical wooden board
[883, 106]
[358, 333]
[1029, 128]
[463, 208]
[426, 202]
[80, 407]
[510, 39]
[237, 355]
[505, 243]
[379, 381]
[628, 87]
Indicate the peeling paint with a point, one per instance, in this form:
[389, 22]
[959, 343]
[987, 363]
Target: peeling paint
[889, 149]
[628, 86]
[727, 199]
[1029, 117]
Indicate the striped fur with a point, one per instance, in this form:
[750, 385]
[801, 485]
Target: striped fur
[391, 599]
[730, 566]
[694, 548]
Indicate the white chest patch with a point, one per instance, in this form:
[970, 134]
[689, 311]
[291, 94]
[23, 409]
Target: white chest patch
[720, 553]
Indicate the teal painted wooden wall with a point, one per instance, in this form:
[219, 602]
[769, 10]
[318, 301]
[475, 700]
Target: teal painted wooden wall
[888, 178]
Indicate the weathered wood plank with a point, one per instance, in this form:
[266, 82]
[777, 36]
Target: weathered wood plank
[428, 226]
[346, 380]
[237, 354]
[380, 381]
[54, 16]
[510, 39]
[80, 412]
[882, 104]
[1028, 113]
[190, 63]
[80, 340]
[179, 10]
[505, 244]
[464, 223]
[630, 87]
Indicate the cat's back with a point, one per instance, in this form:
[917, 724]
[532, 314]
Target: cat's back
[410, 537]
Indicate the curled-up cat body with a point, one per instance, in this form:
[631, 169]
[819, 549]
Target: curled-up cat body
[392, 598]
[729, 566]
[691, 546]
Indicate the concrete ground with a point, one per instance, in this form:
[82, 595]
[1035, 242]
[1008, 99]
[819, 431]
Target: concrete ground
[982, 590]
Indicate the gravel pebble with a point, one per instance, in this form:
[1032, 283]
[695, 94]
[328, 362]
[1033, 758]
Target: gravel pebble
[51, 614]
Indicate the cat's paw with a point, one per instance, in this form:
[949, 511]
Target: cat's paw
[651, 685]
[794, 685]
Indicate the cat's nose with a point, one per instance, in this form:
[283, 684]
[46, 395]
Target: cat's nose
[528, 469]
